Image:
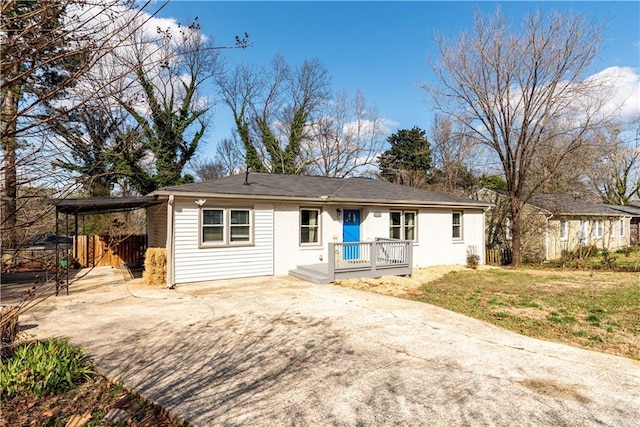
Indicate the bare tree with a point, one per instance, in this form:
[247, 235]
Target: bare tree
[46, 47]
[207, 169]
[455, 155]
[345, 140]
[518, 93]
[229, 153]
[272, 110]
[617, 177]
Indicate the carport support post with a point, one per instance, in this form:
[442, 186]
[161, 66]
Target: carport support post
[66, 250]
[57, 258]
[75, 238]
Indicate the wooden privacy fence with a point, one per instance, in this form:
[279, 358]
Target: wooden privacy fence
[109, 251]
[498, 256]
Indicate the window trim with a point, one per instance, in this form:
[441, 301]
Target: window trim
[403, 224]
[621, 231]
[460, 238]
[319, 226]
[226, 224]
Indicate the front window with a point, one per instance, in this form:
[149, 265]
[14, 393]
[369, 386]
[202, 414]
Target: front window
[402, 225]
[564, 229]
[309, 226]
[213, 226]
[240, 226]
[621, 231]
[456, 230]
[598, 228]
[226, 226]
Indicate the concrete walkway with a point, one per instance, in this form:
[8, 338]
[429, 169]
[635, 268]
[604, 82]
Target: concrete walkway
[278, 351]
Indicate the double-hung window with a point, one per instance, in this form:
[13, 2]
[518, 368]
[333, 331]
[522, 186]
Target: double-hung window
[402, 225]
[456, 225]
[598, 228]
[239, 225]
[309, 226]
[621, 230]
[226, 226]
[564, 229]
[213, 226]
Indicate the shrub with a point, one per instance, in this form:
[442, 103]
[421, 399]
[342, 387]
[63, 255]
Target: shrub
[43, 368]
[473, 259]
[607, 260]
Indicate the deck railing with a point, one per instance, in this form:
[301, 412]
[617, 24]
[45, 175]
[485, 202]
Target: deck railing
[370, 259]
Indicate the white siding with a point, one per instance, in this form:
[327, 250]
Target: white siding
[289, 253]
[195, 264]
[435, 245]
[157, 225]
[277, 248]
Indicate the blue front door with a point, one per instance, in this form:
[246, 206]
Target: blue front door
[351, 233]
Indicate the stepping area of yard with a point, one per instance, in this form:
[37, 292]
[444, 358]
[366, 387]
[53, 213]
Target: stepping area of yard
[280, 351]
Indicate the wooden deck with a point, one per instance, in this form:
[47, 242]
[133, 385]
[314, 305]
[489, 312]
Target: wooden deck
[384, 257]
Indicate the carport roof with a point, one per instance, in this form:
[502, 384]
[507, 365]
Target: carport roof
[95, 205]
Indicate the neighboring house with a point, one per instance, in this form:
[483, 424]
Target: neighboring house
[265, 224]
[553, 223]
[633, 210]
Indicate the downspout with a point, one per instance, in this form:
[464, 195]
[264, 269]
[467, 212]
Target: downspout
[483, 253]
[546, 237]
[170, 240]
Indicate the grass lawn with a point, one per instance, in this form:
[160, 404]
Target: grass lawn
[598, 310]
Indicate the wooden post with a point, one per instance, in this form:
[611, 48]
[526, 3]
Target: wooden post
[331, 258]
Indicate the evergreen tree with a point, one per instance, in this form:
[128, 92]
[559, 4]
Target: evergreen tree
[408, 161]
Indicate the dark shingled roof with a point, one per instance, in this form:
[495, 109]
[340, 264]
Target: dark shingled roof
[566, 204]
[632, 210]
[317, 187]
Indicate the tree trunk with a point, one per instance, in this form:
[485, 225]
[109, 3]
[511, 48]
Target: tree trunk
[8, 219]
[516, 230]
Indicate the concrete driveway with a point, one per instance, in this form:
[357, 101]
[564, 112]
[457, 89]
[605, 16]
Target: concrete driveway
[278, 351]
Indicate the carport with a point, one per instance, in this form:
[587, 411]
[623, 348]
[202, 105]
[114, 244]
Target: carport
[90, 206]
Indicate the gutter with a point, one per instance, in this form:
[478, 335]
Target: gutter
[319, 200]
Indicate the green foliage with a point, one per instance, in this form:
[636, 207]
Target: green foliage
[43, 368]
[493, 182]
[410, 151]
[607, 260]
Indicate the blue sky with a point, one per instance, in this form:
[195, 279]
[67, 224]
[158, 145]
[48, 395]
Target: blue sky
[380, 48]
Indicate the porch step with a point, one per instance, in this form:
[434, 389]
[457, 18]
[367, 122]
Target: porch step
[310, 275]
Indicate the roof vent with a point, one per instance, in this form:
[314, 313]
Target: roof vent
[246, 176]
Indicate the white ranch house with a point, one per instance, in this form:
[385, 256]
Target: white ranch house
[313, 227]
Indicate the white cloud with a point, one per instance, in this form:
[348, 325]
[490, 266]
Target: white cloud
[622, 85]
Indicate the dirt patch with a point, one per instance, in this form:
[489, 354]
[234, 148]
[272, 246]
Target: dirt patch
[555, 389]
[404, 286]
